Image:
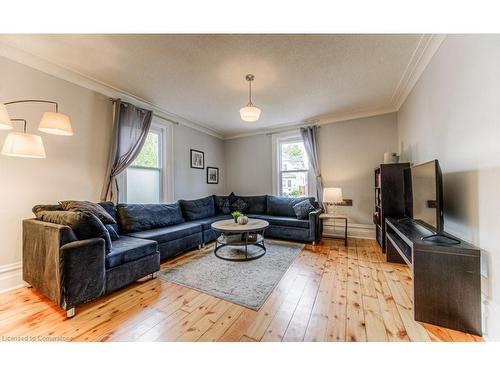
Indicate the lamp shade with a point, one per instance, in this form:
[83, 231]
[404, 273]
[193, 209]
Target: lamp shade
[55, 123]
[4, 118]
[250, 113]
[332, 195]
[23, 145]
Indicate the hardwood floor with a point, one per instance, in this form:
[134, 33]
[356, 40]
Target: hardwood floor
[330, 293]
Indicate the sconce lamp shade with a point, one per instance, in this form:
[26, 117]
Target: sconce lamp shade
[332, 195]
[250, 113]
[55, 123]
[24, 145]
[4, 118]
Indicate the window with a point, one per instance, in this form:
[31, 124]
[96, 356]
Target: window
[292, 166]
[147, 179]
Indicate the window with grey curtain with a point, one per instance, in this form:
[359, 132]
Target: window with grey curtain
[130, 129]
[310, 138]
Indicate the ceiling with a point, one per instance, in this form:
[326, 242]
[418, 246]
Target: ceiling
[202, 77]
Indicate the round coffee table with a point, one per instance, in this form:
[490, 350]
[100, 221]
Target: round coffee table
[238, 235]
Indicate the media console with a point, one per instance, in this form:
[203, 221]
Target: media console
[446, 275]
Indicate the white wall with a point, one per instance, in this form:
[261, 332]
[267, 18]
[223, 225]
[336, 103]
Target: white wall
[249, 165]
[190, 183]
[453, 115]
[74, 167]
[349, 152]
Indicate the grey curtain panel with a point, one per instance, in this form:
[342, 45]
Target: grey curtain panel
[130, 129]
[310, 138]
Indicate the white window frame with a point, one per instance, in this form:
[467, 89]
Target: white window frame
[277, 140]
[165, 132]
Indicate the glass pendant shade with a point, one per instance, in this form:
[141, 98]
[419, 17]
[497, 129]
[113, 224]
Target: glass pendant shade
[250, 113]
[4, 118]
[55, 123]
[24, 145]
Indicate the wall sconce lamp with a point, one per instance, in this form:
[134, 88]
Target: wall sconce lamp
[23, 144]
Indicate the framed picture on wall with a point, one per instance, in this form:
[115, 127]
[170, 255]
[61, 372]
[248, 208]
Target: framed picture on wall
[197, 159]
[212, 175]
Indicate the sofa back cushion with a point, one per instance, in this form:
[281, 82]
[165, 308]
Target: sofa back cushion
[139, 217]
[283, 206]
[255, 204]
[84, 225]
[198, 208]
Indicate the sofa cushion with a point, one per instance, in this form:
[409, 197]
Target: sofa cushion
[90, 208]
[128, 249]
[302, 209]
[239, 205]
[283, 206]
[206, 223]
[84, 225]
[170, 233]
[46, 207]
[255, 204]
[140, 217]
[111, 210]
[222, 205]
[198, 208]
[284, 221]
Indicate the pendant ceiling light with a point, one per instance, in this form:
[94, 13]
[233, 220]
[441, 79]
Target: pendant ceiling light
[250, 112]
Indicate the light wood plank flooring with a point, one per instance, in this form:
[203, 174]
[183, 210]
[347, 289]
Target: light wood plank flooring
[330, 293]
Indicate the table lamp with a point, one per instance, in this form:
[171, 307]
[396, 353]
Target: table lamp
[331, 196]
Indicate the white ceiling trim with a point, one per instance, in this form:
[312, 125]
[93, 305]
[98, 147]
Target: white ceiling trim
[425, 50]
[319, 121]
[90, 83]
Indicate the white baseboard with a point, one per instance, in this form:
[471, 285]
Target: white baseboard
[491, 321]
[336, 229]
[11, 277]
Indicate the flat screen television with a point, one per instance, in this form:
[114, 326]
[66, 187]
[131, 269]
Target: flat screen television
[427, 195]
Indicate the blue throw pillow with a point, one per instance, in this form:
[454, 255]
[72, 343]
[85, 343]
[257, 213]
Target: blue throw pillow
[239, 205]
[112, 232]
[222, 205]
[302, 209]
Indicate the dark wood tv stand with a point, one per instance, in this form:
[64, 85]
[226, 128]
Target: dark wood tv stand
[446, 275]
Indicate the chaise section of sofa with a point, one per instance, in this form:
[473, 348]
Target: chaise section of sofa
[72, 271]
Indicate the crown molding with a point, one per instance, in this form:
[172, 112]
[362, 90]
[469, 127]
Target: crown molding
[422, 55]
[79, 79]
[327, 120]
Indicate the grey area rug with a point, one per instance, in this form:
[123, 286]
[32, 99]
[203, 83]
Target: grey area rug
[244, 283]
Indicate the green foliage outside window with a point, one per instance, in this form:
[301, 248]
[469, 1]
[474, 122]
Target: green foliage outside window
[148, 156]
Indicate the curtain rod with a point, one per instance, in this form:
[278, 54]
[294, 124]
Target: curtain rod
[277, 131]
[154, 114]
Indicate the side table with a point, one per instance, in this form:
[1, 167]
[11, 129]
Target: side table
[336, 217]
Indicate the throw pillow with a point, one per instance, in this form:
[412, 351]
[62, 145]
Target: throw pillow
[239, 205]
[84, 225]
[89, 208]
[222, 205]
[302, 209]
[46, 207]
[112, 232]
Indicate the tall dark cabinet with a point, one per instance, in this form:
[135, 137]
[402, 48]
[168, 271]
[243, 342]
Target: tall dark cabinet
[390, 200]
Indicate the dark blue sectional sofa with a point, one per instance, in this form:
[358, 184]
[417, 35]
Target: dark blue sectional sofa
[73, 270]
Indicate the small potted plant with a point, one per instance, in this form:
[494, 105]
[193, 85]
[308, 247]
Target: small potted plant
[236, 215]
